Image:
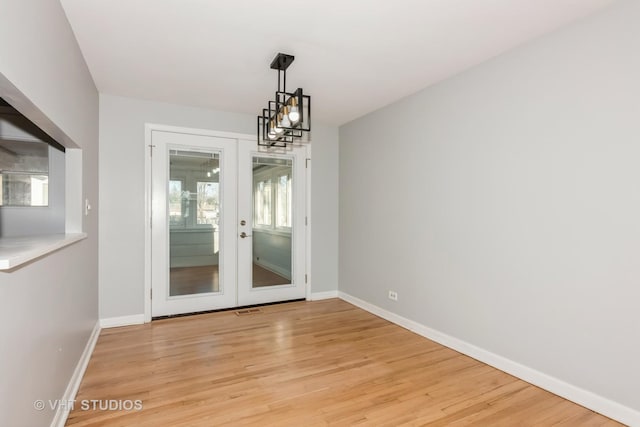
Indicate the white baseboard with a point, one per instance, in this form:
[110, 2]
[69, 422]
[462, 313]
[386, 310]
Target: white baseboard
[274, 268]
[317, 296]
[114, 322]
[60, 417]
[578, 395]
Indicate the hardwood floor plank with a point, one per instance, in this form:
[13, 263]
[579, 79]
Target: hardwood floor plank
[323, 363]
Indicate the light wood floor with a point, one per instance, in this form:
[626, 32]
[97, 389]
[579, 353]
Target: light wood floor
[206, 278]
[304, 364]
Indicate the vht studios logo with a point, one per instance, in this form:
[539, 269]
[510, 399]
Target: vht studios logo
[89, 405]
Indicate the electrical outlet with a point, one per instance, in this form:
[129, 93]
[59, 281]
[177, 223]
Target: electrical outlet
[393, 295]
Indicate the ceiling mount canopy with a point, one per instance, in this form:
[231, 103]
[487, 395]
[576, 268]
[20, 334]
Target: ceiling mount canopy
[288, 116]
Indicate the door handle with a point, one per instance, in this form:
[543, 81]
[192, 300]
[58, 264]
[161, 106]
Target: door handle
[243, 235]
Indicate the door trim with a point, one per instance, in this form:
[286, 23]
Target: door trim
[148, 130]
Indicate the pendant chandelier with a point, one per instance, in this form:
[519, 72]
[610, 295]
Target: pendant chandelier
[286, 117]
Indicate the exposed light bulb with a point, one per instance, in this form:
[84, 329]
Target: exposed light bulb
[272, 130]
[209, 174]
[278, 129]
[285, 117]
[294, 114]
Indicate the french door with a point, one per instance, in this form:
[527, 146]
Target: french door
[271, 211]
[228, 222]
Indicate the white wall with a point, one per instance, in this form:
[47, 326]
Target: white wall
[48, 307]
[122, 195]
[505, 204]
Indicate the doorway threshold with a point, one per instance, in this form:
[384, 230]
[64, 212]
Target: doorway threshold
[236, 309]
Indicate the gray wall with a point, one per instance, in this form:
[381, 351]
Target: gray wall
[122, 194]
[324, 209]
[503, 206]
[48, 307]
[272, 251]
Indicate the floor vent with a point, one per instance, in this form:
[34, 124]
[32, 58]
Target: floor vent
[248, 311]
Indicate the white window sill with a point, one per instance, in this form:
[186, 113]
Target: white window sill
[15, 251]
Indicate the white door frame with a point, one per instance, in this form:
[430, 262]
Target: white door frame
[149, 128]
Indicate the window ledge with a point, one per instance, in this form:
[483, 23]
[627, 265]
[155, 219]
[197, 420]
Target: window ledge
[15, 251]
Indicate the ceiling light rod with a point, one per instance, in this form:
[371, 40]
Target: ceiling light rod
[288, 116]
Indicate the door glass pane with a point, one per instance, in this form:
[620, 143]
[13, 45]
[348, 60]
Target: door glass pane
[272, 221]
[193, 199]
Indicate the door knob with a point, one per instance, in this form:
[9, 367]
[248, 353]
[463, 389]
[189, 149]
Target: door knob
[243, 235]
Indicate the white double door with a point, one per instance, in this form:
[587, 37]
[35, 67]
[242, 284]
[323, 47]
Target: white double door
[228, 222]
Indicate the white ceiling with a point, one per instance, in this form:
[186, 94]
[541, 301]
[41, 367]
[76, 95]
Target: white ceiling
[352, 56]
